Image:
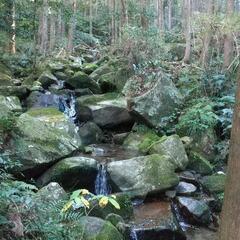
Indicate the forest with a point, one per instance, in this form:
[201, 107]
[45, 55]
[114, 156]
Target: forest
[119, 119]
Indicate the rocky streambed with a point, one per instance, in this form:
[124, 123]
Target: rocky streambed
[75, 127]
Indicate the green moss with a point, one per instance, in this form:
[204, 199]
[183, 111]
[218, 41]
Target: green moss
[48, 112]
[214, 183]
[199, 164]
[148, 140]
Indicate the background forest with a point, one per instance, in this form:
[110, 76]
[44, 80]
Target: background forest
[175, 64]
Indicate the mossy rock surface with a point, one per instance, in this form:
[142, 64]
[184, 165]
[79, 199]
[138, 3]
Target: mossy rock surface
[214, 183]
[199, 164]
[42, 136]
[47, 79]
[89, 68]
[92, 228]
[19, 91]
[9, 105]
[77, 172]
[173, 147]
[143, 175]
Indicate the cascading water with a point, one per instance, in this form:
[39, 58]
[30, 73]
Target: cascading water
[101, 184]
[133, 234]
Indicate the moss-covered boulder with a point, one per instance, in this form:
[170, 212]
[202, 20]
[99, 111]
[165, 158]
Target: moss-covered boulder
[82, 80]
[141, 140]
[79, 172]
[92, 228]
[90, 133]
[47, 79]
[158, 101]
[107, 82]
[89, 68]
[42, 136]
[19, 91]
[173, 147]
[5, 76]
[143, 175]
[101, 71]
[214, 183]
[199, 164]
[108, 110]
[56, 67]
[9, 105]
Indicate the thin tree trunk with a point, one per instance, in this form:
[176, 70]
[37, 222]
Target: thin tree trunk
[160, 16]
[113, 22]
[208, 36]
[13, 40]
[72, 27]
[170, 10]
[91, 17]
[230, 222]
[144, 19]
[228, 42]
[124, 13]
[52, 40]
[187, 12]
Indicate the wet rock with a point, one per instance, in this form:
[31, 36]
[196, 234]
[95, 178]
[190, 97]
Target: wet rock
[19, 91]
[74, 172]
[82, 92]
[61, 76]
[89, 228]
[157, 103]
[107, 82]
[82, 80]
[47, 79]
[9, 105]
[40, 99]
[195, 211]
[142, 175]
[155, 220]
[188, 176]
[201, 234]
[53, 191]
[119, 138]
[173, 147]
[184, 188]
[199, 164]
[214, 183]
[42, 136]
[90, 133]
[101, 71]
[56, 67]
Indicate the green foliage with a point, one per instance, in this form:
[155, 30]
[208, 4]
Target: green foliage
[7, 124]
[197, 119]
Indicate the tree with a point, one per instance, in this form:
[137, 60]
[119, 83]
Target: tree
[187, 13]
[170, 10]
[160, 16]
[13, 40]
[72, 26]
[229, 229]
[228, 41]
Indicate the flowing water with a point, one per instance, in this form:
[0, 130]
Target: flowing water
[133, 234]
[102, 186]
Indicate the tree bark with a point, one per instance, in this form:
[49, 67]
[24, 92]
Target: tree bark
[228, 42]
[72, 26]
[208, 36]
[52, 37]
[124, 13]
[230, 222]
[170, 10]
[91, 17]
[187, 12]
[160, 16]
[144, 19]
[13, 38]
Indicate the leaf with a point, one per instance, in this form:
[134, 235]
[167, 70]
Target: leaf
[114, 203]
[67, 206]
[103, 202]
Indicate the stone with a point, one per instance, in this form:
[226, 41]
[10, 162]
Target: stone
[42, 136]
[173, 147]
[89, 68]
[184, 188]
[82, 80]
[157, 103]
[77, 172]
[92, 228]
[101, 71]
[107, 82]
[47, 79]
[56, 67]
[90, 133]
[199, 164]
[195, 211]
[142, 175]
[19, 91]
[214, 183]
[9, 105]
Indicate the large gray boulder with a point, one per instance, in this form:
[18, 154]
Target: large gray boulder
[80, 172]
[8, 105]
[42, 136]
[143, 175]
[173, 147]
[157, 103]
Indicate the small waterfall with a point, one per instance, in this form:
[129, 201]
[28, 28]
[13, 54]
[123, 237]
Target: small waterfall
[133, 234]
[68, 107]
[101, 184]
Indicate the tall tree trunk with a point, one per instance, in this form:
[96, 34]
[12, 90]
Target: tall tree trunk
[187, 12]
[124, 12]
[72, 26]
[160, 16]
[52, 37]
[113, 25]
[208, 35]
[144, 19]
[13, 39]
[91, 17]
[170, 11]
[230, 222]
[228, 42]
